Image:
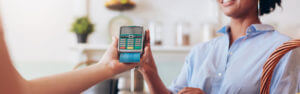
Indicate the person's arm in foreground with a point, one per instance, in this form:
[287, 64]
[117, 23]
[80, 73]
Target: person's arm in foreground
[76, 81]
[72, 82]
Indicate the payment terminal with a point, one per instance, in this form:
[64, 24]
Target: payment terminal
[131, 41]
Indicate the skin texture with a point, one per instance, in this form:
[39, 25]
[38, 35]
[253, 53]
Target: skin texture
[190, 90]
[243, 13]
[72, 82]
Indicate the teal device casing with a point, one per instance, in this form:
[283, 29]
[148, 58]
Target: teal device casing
[131, 43]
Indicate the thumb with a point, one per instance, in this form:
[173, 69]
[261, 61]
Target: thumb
[113, 46]
[147, 51]
[115, 41]
[147, 38]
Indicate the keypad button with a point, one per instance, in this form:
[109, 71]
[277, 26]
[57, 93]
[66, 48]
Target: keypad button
[122, 47]
[129, 47]
[138, 47]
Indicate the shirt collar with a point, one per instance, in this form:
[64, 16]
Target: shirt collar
[223, 30]
[252, 29]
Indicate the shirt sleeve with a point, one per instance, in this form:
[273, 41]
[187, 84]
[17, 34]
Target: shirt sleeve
[286, 75]
[182, 80]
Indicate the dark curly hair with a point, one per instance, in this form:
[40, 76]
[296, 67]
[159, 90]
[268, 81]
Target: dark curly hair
[267, 6]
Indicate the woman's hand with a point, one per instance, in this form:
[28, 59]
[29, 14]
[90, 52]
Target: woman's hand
[147, 63]
[149, 71]
[190, 90]
[111, 59]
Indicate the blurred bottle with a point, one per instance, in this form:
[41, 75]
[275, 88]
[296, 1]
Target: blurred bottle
[138, 84]
[131, 82]
[124, 83]
[156, 33]
[207, 32]
[183, 34]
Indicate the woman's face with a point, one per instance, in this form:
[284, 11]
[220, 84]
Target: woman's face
[238, 8]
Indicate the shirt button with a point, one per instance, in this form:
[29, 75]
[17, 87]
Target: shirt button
[219, 74]
[230, 53]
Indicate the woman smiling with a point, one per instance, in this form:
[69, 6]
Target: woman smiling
[233, 63]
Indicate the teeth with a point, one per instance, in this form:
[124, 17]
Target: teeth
[225, 1]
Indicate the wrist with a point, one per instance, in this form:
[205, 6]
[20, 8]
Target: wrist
[148, 72]
[154, 82]
[108, 68]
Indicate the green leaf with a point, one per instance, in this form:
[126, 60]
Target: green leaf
[82, 25]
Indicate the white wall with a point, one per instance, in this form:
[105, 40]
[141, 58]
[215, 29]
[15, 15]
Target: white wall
[38, 30]
[287, 18]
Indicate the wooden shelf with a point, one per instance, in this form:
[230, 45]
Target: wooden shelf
[88, 47]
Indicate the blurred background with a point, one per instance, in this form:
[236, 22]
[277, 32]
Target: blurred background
[48, 36]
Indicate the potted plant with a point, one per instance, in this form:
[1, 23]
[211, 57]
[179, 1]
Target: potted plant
[82, 27]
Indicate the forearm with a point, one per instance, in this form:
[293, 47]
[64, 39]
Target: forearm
[11, 81]
[72, 82]
[155, 84]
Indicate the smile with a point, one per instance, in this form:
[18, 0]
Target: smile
[226, 3]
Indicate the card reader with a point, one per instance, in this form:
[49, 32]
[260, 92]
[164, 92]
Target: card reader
[131, 43]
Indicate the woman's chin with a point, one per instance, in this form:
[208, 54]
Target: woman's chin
[230, 13]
